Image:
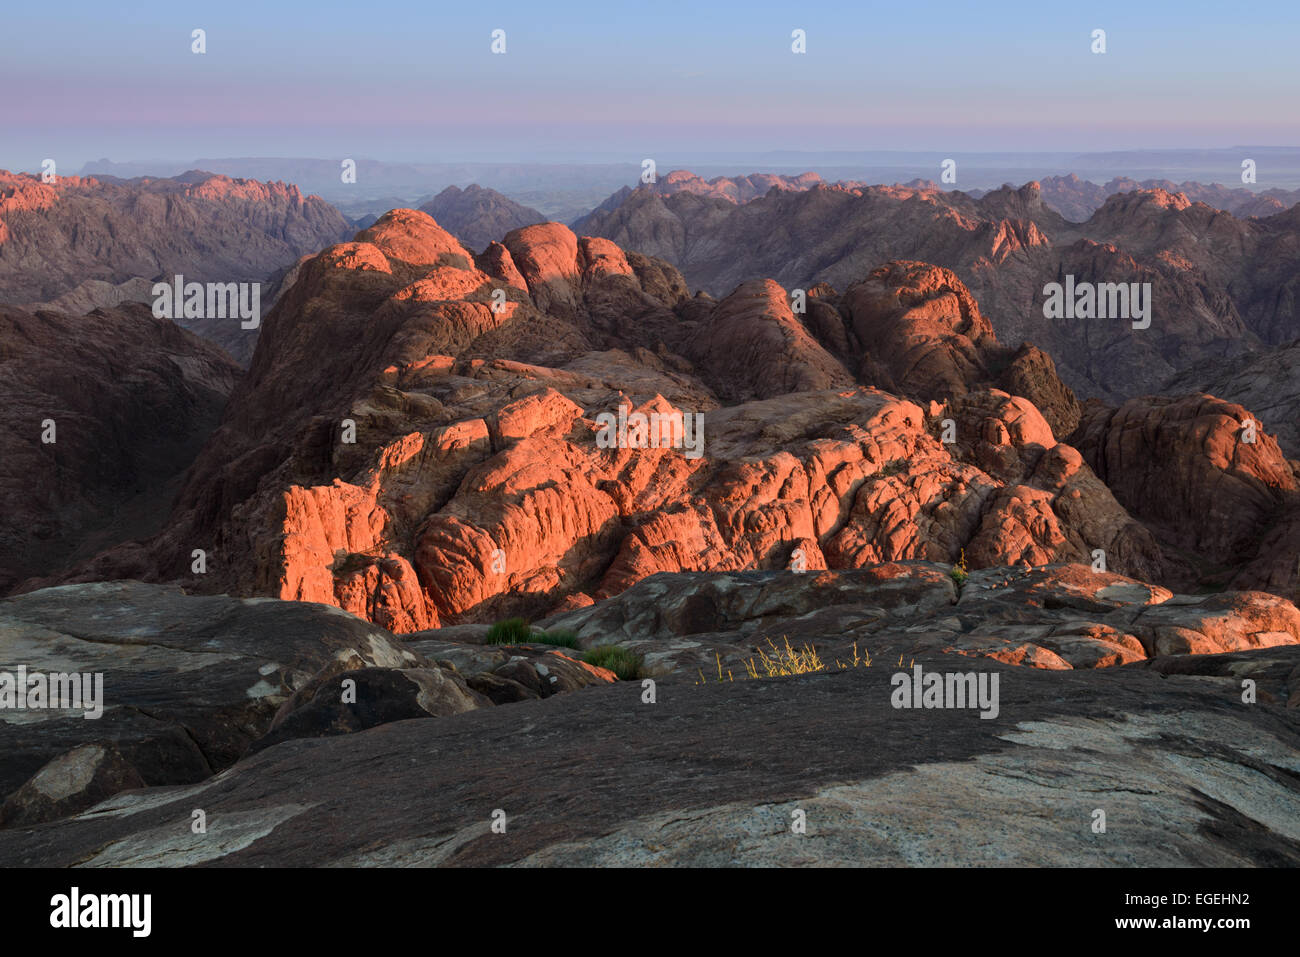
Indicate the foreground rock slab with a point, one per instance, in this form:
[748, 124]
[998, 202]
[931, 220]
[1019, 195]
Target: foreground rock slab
[1185, 773]
[189, 682]
[172, 687]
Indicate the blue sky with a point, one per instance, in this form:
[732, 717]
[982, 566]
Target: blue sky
[408, 81]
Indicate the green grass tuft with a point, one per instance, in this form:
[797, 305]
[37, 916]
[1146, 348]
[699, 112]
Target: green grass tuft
[627, 665]
[511, 631]
[562, 639]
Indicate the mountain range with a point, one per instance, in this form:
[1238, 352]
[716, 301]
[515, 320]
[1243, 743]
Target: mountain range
[1221, 286]
[413, 409]
[727, 441]
[478, 216]
[79, 243]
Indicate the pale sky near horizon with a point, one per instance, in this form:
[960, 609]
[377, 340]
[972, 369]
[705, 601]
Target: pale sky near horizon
[418, 81]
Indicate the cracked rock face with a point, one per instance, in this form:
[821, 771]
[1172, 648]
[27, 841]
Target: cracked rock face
[1266, 382]
[1215, 489]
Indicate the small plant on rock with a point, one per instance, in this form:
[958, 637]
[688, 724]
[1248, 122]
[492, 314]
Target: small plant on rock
[959, 573]
[626, 665]
[561, 639]
[511, 631]
[718, 659]
[786, 661]
[862, 660]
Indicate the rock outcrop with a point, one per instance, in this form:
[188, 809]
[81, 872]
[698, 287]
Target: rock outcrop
[1208, 480]
[478, 487]
[188, 682]
[460, 460]
[1056, 617]
[1267, 383]
[752, 347]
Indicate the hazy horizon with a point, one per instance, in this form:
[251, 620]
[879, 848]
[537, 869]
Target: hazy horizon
[418, 83]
